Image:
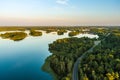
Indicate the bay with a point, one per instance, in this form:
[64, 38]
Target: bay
[22, 60]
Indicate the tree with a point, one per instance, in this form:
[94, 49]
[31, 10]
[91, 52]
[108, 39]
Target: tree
[85, 77]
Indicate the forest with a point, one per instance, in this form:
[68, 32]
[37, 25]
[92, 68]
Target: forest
[64, 54]
[104, 62]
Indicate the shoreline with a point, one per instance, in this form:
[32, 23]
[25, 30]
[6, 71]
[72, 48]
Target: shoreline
[46, 68]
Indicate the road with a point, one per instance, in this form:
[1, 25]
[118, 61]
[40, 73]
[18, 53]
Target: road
[75, 68]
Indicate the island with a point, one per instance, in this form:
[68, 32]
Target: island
[35, 33]
[61, 32]
[16, 36]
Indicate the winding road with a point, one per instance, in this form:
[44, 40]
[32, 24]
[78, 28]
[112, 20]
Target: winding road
[75, 68]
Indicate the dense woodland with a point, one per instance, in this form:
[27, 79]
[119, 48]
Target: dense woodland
[101, 64]
[65, 52]
[104, 62]
[101, 32]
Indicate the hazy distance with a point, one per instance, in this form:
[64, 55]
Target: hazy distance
[59, 12]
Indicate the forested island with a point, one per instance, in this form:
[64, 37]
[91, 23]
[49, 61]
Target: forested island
[20, 34]
[35, 33]
[16, 36]
[61, 32]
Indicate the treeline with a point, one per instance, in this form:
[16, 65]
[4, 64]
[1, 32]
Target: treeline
[48, 29]
[73, 33]
[101, 32]
[104, 62]
[65, 52]
[12, 28]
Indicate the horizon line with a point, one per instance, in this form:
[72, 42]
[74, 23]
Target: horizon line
[64, 26]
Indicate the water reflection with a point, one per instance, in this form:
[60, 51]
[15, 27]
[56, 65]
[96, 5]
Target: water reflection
[23, 60]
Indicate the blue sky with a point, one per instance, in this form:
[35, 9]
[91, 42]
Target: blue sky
[59, 12]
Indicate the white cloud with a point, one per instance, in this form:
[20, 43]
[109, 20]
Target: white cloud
[63, 2]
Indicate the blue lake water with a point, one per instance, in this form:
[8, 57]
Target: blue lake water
[22, 60]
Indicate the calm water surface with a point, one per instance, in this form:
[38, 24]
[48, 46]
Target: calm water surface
[23, 60]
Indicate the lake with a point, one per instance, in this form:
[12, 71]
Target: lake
[22, 60]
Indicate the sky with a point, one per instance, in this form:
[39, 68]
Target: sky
[59, 12]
